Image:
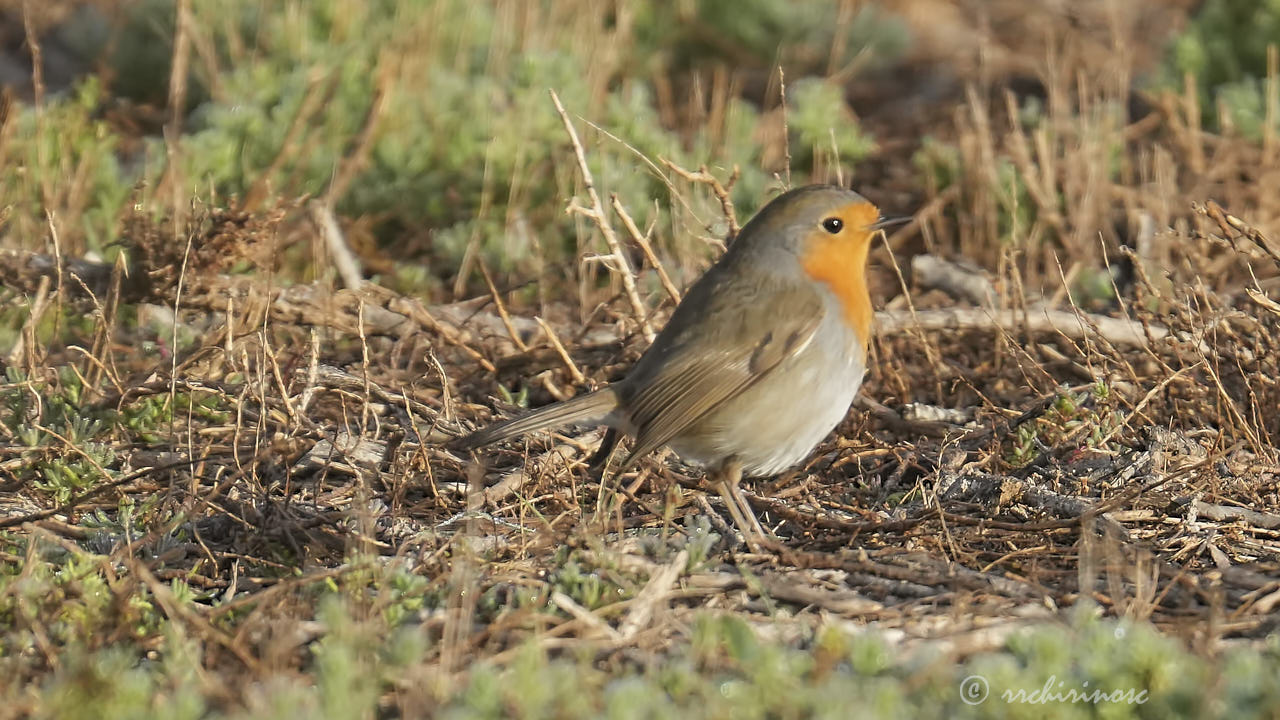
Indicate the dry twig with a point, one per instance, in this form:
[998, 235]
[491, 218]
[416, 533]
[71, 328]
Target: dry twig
[597, 214]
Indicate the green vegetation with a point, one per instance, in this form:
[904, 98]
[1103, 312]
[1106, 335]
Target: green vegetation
[431, 122]
[1224, 49]
[1081, 420]
[726, 671]
[64, 140]
[64, 447]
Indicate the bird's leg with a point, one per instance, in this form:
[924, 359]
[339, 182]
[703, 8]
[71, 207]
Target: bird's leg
[743, 505]
[599, 460]
[729, 476]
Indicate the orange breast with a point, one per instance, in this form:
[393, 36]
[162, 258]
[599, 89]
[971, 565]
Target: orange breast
[840, 262]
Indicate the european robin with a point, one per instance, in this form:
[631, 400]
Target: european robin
[760, 360]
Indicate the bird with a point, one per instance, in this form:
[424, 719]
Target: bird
[760, 360]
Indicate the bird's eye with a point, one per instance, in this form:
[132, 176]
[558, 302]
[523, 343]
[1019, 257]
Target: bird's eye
[833, 225]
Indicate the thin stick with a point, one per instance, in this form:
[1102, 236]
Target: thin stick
[1271, 114]
[1117, 331]
[657, 171]
[37, 97]
[645, 247]
[835, 155]
[597, 214]
[344, 259]
[578, 377]
[25, 343]
[911, 306]
[177, 307]
[312, 99]
[721, 191]
[1228, 222]
[501, 306]
[177, 101]
[786, 131]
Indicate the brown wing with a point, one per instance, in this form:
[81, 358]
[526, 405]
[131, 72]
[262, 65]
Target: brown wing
[705, 357]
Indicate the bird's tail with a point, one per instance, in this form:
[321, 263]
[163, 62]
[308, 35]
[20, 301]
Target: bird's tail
[592, 406]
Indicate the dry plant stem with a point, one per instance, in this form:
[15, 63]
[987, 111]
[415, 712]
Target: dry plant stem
[786, 131]
[643, 242]
[721, 191]
[472, 252]
[1191, 105]
[1229, 223]
[22, 353]
[104, 322]
[313, 373]
[1263, 300]
[1271, 113]
[177, 305]
[177, 107]
[501, 306]
[574, 372]
[911, 308]
[59, 263]
[653, 595]
[600, 217]
[657, 171]
[1038, 182]
[37, 91]
[1117, 331]
[464, 578]
[344, 260]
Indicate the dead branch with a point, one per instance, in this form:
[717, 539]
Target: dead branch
[955, 279]
[1118, 331]
[597, 214]
[654, 593]
[1229, 513]
[1232, 226]
[344, 260]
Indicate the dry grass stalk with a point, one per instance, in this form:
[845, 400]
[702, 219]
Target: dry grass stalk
[179, 67]
[720, 190]
[597, 214]
[501, 307]
[574, 372]
[1232, 226]
[786, 129]
[344, 259]
[652, 595]
[642, 240]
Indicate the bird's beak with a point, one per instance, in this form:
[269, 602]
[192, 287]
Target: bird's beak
[884, 222]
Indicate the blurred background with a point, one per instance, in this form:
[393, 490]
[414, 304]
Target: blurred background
[1038, 127]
